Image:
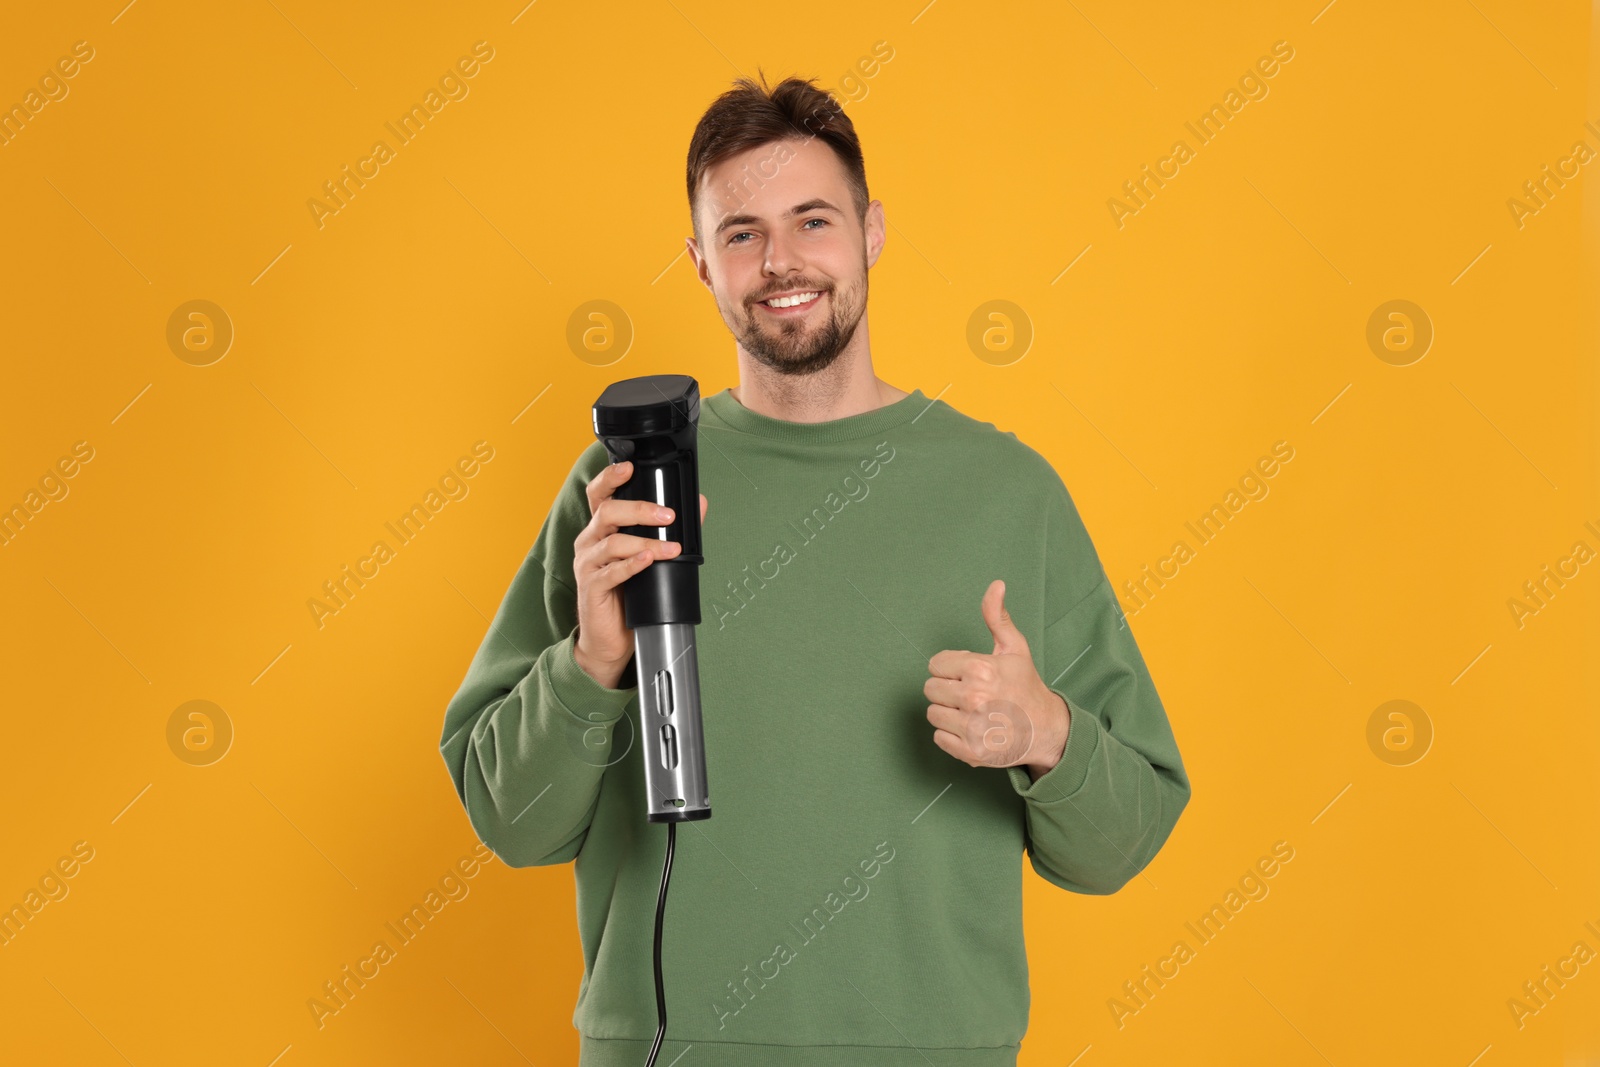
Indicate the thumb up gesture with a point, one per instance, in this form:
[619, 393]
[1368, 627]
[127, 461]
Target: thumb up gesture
[992, 709]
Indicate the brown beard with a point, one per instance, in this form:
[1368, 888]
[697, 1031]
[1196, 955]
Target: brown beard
[796, 353]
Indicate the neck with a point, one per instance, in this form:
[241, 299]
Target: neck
[846, 387]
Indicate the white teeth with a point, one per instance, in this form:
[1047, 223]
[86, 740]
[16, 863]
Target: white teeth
[791, 301]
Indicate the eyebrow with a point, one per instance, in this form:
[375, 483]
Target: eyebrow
[814, 204]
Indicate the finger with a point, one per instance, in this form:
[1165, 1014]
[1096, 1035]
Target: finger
[613, 514]
[953, 745]
[615, 546]
[613, 574]
[946, 691]
[704, 503]
[599, 492]
[605, 482]
[1007, 638]
[954, 663]
[947, 718]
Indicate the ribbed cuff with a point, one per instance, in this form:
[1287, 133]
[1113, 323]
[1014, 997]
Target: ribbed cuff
[1068, 775]
[580, 694]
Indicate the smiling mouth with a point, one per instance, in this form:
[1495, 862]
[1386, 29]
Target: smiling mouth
[792, 302]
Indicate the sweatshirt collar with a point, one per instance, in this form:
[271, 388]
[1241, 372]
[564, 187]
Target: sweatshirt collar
[734, 415]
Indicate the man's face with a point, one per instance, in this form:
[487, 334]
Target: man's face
[758, 246]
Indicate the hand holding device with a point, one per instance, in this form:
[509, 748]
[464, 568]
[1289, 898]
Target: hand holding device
[652, 422]
[603, 559]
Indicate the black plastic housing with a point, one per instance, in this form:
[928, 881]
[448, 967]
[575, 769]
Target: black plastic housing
[653, 421]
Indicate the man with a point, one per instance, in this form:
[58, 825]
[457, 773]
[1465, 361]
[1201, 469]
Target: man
[912, 667]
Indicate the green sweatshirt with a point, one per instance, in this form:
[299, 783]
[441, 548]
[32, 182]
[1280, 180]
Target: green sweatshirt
[856, 895]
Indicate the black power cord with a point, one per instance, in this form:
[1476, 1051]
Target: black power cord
[661, 911]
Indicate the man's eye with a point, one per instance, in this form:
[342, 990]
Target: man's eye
[734, 240]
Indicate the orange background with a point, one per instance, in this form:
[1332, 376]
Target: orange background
[370, 353]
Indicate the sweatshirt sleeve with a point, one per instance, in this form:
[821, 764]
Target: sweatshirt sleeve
[1098, 817]
[528, 734]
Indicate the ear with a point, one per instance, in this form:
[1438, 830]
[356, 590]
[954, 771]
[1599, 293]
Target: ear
[876, 231]
[698, 260]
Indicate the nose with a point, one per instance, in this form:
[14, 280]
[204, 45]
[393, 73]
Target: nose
[783, 257]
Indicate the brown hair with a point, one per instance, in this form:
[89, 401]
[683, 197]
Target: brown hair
[751, 114]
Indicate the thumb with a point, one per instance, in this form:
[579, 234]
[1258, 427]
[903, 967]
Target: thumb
[1007, 638]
